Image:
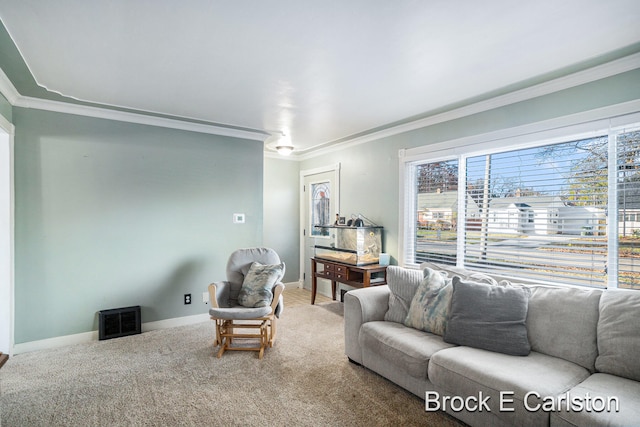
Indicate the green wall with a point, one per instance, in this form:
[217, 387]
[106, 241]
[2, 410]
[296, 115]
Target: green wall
[369, 172]
[281, 212]
[5, 108]
[111, 214]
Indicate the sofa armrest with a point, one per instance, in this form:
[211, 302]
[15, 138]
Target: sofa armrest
[361, 306]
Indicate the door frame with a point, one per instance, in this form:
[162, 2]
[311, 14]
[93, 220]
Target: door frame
[335, 168]
[8, 259]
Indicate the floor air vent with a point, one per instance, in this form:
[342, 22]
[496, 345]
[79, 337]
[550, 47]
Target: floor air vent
[119, 322]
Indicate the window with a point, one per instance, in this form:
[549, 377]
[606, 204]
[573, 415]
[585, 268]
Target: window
[539, 211]
[628, 183]
[320, 214]
[436, 199]
[542, 212]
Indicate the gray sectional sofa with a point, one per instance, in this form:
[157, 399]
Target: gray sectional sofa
[491, 352]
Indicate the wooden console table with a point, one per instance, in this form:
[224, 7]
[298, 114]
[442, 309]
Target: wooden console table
[361, 276]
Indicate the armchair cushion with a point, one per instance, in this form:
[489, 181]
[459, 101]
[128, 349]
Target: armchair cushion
[239, 313]
[257, 287]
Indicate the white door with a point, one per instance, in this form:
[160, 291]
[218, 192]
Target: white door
[320, 204]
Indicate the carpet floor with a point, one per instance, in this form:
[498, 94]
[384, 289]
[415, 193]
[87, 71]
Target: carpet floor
[172, 377]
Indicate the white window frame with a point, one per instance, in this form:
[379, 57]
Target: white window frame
[606, 121]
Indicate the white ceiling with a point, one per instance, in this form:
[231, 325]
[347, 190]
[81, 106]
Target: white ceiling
[321, 71]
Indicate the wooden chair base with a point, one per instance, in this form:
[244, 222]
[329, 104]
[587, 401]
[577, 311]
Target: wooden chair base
[228, 330]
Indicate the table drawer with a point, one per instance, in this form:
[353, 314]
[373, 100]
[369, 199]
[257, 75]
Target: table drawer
[341, 272]
[326, 270]
[340, 269]
[333, 271]
[328, 274]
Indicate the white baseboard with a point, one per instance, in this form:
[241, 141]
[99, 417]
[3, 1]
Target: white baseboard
[293, 285]
[176, 321]
[55, 342]
[86, 337]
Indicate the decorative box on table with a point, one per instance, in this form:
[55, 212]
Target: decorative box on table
[350, 245]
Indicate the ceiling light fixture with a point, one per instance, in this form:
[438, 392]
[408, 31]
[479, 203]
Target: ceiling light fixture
[284, 150]
[281, 143]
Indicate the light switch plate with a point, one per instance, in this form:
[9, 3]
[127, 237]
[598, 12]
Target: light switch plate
[238, 218]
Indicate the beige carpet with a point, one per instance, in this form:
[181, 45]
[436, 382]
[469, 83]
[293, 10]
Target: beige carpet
[171, 377]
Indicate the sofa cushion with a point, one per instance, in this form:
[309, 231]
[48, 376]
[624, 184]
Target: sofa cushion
[403, 283]
[463, 273]
[602, 390]
[488, 317]
[404, 347]
[466, 371]
[429, 308]
[619, 333]
[562, 322]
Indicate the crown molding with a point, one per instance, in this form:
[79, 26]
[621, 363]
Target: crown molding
[138, 118]
[609, 69]
[581, 124]
[8, 90]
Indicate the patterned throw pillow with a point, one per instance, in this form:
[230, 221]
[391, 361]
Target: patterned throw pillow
[403, 284]
[429, 308]
[257, 287]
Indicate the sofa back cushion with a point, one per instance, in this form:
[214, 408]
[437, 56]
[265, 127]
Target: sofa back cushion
[619, 334]
[463, 273]
[429, 310]
[403, 283]
[562, 322]
[488, 317]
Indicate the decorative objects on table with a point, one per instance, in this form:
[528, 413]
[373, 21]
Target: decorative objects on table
[350, 245]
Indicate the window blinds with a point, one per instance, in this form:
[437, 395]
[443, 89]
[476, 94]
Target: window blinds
[436, 212]
[628, 182]
[539, 213]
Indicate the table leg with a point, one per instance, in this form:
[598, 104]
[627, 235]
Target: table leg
[333, 289]
[366, 279]
[314, 282]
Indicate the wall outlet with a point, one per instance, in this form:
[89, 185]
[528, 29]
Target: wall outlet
[187, 298]
[238, 218]
[205, 297]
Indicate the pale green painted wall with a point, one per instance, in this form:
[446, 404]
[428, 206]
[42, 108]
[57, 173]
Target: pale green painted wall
[111, 214]
[5, 108]
[369, 172]
[281, 212]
